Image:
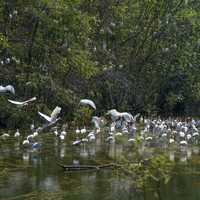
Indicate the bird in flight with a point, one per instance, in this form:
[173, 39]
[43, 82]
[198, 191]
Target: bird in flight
[54, 115]
[8, 88]
[89, 102]
[22, 103]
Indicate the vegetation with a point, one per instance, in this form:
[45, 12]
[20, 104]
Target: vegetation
[138, 56]
[149, 174]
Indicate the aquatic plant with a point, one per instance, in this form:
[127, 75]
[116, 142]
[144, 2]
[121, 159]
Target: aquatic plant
[151, 173]
[83, 116]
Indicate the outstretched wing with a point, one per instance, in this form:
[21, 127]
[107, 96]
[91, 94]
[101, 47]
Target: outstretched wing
[136, 116]
[2, 89]
[10, 88]
[45, 116]
[127, 116]
[55, 113]
[30, 100]
[88, 102]
[22, 102]
[16, 102]
[114, 114]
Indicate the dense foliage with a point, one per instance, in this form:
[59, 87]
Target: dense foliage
[133, 55]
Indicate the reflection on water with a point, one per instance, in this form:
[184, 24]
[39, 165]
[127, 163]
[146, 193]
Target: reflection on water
[37, 171]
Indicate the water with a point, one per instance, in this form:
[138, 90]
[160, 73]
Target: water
[28, 174]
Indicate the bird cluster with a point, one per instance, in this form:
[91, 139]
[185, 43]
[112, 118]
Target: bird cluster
[151, 132]
[172, 131]
[30, 140]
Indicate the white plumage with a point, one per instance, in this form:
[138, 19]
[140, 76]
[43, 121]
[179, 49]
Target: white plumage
[22, 103]
[17, 134]
[125, 115]
[8, 88]
[89, 102]
[53, 116]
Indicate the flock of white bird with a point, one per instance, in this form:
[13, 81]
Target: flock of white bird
[151, 132]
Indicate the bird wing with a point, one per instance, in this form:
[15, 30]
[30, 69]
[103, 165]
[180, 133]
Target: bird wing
[55, 113]
[16, 102]
[2, 89]
[127, 116]
[30, 100]
[10, 88]
[45, 116]
[114, 114]
[88, 102]
[135, 117]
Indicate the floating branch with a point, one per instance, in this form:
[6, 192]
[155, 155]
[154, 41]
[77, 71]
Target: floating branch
[87, 167]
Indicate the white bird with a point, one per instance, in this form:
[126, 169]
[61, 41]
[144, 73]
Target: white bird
[112, 127]
[8, 88]
[110, 139]
[83, 130]
[76, 142]
[77, 131]
[131, 140]
[53, 117]
[22, 103]
[183, 142]
[114, 114]
[32, 127]
[5, 135]
[118, 134]
[56, 132]
[25, 142]
[127, 116]
[89, 102]
[84, 140]
[92, 138]
[30, 137]
[171, 140]
[35, 134]
[17, 134]
[125, 130]
[188, 136]
[96, 120]
[62, 137]
[181, 134]
[195, 134]
[90, 134]
[63, 132]
[148, 138]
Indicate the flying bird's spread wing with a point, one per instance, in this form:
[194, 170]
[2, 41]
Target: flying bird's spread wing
[16, 102]
[2, 89]
[127, 116]
[45, 116]
[55, 113]
[10, 88]
[96, 121]
[88, 102]
[30, 100]
[22, 102]
[136, 116]
[114, 114]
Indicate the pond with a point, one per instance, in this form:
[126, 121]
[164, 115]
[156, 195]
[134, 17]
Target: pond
[35, 174]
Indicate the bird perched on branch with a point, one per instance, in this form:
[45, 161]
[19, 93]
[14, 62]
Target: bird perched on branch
[8, 88]
[89, 102]
[22, 103]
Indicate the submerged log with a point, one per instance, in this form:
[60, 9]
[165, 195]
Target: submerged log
[87, 167]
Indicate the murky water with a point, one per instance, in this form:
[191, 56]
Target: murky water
[28, 174]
